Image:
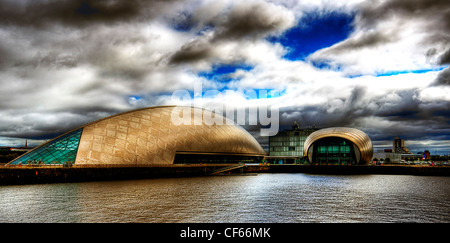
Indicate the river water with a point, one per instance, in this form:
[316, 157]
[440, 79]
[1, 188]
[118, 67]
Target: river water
[262, 198]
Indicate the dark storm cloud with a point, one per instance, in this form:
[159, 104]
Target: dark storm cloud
[192, 52]
[252, 20]
[445, 57]
[433, 17]
[371, 39]
[77, 13]
[344, 114]
[434, 10]
[248, 21]
[398, 113]
[85, 38]
[404, 107]
[5, 55]
[443, 78]
[46, 124]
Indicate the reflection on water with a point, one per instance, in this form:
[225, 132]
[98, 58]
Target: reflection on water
[268, 198]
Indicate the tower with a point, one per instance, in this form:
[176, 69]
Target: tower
[398, 146]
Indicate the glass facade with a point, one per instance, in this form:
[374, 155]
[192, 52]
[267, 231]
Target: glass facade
[288, 143]
[59, 151]
[334, 151]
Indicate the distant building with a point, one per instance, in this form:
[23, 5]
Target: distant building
[409, 157]
[22, 149]
[398, 146]
[388, 156]
[419, 156]
[4, 148]
[287, 146]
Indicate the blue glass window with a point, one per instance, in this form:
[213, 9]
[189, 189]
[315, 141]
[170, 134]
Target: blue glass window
[58, 151]
[333, 151]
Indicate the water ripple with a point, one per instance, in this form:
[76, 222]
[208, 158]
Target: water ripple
[272, 198]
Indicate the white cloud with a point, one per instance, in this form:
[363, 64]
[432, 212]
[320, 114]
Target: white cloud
[435, 94]
[392, 45]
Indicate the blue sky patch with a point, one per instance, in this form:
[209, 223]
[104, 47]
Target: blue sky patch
[221, 73]
[398, 72]
[393, 73]
[185, 23]
[134, 97]
[314, 32]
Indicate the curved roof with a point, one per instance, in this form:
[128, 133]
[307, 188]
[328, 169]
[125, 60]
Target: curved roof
[153, 136]
[358, 137]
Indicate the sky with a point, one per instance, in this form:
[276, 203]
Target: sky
[378, 66]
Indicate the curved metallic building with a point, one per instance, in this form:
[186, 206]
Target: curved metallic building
[338, 144]
[152, 136]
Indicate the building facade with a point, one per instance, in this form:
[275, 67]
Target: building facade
[387, 156]
[287, 145]
[338, 146]
[398, 146]
[149, 136]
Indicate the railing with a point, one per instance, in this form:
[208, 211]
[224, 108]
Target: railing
[115, 165]
[221, 170]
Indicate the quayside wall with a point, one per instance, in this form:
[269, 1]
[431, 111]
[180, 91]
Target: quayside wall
[35, 175]
[352, 170]
[54, 174]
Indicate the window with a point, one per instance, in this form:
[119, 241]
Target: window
[345, 149]
[332, 150]
[291, 148]
[335, 149]
[322, 149]
[58, 151]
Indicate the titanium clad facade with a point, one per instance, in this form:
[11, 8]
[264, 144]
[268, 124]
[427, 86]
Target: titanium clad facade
[338, 145]
[148, 137]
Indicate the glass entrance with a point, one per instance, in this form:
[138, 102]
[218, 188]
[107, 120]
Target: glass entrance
[333, 151]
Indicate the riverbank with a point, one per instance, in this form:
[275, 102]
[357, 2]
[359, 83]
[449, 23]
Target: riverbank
[349, 170]
[52, 174]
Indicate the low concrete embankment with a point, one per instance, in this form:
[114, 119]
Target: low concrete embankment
[33, 175]
[353, 170]
[53, 174]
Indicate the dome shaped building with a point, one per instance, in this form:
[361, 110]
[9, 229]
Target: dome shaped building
[338, 146]
[161, 135]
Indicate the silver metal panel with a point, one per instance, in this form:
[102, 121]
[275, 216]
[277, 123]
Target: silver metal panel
[148, 136]
[358, 137]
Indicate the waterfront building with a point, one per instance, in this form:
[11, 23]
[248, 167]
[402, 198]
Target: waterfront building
[287, 146]
[149, 136]
[387, 156]
[419, 156]
[338, 146]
